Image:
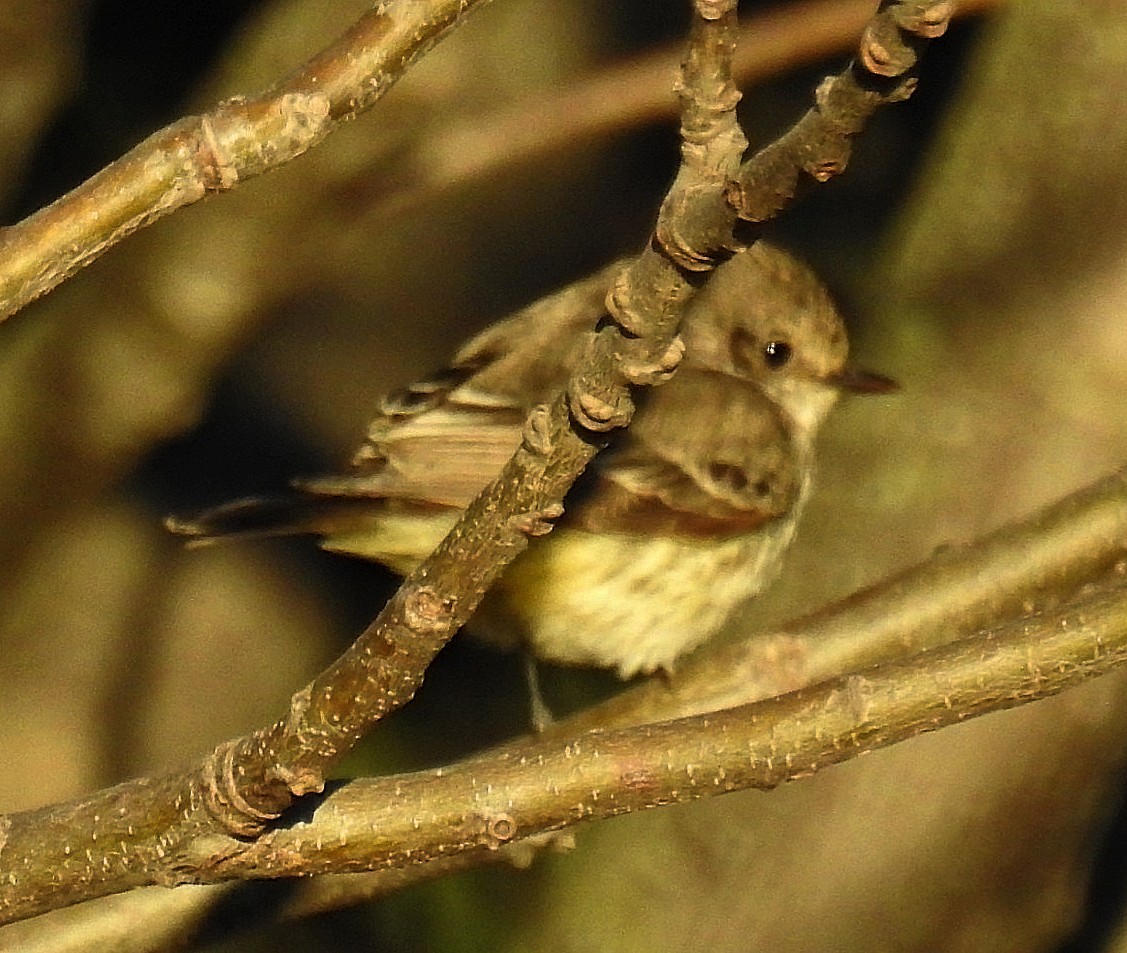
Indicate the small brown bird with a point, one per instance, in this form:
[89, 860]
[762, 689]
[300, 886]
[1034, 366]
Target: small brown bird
[678, 522]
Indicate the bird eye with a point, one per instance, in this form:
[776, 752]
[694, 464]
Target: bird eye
[776, 354]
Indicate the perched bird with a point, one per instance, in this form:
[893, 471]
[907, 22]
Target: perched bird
[679, 521]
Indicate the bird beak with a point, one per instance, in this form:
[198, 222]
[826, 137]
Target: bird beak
[857, 381]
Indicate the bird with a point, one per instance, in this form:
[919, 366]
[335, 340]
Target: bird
[679, 522]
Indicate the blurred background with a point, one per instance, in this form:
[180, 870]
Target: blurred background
[979, 247]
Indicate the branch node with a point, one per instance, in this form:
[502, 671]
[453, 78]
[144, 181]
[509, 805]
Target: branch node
[876, 56]
[619, 301]
[647, 373]
[703, 128]
[537, 433]
[299, 783]
[598, 414]
[537, 523]
[426, 611]
[929, 23]
[217, 172]
[499, 830]
[714, 9]
[222, 798]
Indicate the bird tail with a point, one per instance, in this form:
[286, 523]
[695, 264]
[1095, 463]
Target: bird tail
[255, 517]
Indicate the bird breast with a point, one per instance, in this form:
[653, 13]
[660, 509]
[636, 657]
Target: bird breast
[628, 602]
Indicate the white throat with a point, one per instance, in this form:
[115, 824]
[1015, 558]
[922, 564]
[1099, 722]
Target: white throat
[807, 403]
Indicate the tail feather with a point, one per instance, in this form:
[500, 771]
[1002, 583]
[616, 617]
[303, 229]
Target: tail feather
[253, 517]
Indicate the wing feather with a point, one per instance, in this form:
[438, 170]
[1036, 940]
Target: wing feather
[442, 440]
[706, 454]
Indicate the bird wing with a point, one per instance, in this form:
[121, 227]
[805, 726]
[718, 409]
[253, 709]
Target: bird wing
[434, 445]
[440, 441]
[706, 455]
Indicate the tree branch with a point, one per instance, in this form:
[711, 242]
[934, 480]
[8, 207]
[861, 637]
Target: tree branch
[626, 95]
[248, 782]
[536, 787]
[134, 833]
[200, 155]
[543, 785]
[820, 143]
[1037, 562]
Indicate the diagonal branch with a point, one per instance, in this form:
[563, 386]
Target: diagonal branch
[248, 782]
[817, 147]
[536, 787]
[201, 155]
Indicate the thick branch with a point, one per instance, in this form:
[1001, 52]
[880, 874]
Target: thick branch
[540, 786]
[533, 788]
[1036, 562]
[199, 155]
[143, 832]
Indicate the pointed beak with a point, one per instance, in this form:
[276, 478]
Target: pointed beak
[857, 381]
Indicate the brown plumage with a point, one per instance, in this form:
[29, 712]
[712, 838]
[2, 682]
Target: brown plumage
[680, 520]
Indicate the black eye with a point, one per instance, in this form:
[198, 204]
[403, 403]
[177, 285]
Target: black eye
[776, 354]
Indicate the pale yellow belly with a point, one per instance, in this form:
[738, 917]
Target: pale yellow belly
[630, 603]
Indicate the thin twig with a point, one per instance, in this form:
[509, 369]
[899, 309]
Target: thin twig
[624, 96]
[817, 148]
[245, 784]
[200, 155]
[1047, 557]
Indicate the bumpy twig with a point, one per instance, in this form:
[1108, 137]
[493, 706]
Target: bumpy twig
[248, 782]
[650, 294]
[624, 96]
[818, 146]
[200, 155]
